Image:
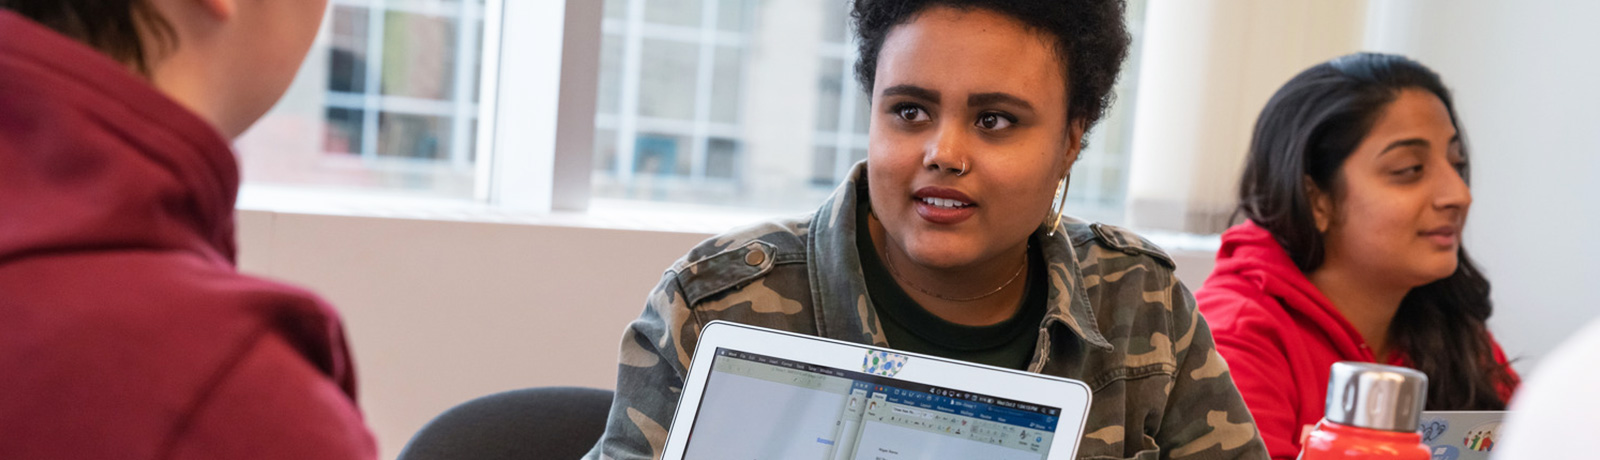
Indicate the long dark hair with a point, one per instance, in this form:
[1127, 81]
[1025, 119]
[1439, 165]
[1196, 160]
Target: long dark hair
[1307, 131]
[114, 27]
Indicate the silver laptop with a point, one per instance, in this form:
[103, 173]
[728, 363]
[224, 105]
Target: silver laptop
[1461, 435]
[755, 393]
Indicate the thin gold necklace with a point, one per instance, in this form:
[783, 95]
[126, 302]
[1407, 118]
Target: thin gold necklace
[890, 264]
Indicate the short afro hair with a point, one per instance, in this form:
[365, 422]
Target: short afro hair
[1091, 40]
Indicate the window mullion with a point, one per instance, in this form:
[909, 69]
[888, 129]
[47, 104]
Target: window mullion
[373, 85]
[488, 105]
[544, 123]
[460, 121]
[702, 102]
[628, 112]
[847, 119]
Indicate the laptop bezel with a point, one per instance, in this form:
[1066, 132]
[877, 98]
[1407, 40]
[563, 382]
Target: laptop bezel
[1071, 396]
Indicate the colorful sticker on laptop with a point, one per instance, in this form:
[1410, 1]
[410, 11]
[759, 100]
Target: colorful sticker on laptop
[1444, 453]
[1482, 437]
[1432, 429]
[883, 363]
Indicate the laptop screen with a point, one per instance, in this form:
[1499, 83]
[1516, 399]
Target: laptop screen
[760, 407]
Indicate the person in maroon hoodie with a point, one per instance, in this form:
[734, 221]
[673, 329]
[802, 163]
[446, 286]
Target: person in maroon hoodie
[125, 329]
[1355, 190]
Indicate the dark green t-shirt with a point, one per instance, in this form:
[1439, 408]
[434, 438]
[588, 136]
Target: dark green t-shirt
[909, 327]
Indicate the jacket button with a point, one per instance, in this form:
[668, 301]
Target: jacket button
[755, 257]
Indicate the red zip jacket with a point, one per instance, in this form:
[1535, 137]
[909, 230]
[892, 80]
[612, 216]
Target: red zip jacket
[125, 331]
[1280, 335]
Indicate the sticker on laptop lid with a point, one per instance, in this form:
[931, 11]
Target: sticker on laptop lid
[883, 363]
[1433, 428]
[1482, 437]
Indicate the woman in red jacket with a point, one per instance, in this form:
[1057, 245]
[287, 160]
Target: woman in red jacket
[1355, 191]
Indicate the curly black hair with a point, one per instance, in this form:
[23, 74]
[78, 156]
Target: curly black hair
[1091, 39]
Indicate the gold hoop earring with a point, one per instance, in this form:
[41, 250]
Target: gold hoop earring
[1052, 221]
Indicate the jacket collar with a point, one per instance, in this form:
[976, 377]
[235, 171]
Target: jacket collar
[1250, 252]
[1069, 301]
[838, 287]
[96, 157]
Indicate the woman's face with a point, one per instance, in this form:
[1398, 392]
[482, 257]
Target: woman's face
[971, 91]
[1398, 211]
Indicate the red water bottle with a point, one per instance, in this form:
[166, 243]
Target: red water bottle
[1372, 413]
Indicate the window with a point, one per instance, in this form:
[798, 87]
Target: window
[1100, 179]
[668, 124]
[737, 104]
[387, 98]
[843, 108]
[704, 102]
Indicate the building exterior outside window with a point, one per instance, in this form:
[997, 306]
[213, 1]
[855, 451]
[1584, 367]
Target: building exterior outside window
[748, 104]
[387, 99]
[754, 104]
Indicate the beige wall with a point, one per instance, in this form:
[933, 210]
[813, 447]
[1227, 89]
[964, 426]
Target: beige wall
[442, 311]
[439, 312]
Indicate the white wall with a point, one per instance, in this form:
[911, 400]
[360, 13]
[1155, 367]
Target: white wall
[1525, 78]
[1207, 69]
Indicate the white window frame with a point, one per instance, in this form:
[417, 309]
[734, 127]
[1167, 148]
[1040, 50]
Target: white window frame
[843, 139]
[627, 123]
[371, 101]
[534, 148]
[536, 141]
[535, 138]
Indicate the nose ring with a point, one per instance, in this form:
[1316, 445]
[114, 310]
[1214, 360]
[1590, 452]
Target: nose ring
[963, 170]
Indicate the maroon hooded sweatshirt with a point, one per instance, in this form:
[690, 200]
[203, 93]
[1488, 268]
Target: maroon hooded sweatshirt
[125, 330]
[1280, 335]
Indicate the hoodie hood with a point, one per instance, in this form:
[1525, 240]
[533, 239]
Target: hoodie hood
[1252, 264]
[92, 157]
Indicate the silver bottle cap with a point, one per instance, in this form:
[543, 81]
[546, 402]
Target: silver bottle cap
[1376, 396]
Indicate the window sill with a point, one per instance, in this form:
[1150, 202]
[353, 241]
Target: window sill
[602, 214]
[1174, 242]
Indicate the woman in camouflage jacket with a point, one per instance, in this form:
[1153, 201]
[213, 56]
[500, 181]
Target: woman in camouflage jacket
[978, 111]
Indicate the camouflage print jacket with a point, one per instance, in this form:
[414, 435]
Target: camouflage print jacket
[1118, 320]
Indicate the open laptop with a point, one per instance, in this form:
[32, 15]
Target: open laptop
[1461, 435]
[755, 393]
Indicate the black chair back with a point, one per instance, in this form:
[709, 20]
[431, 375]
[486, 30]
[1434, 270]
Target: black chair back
[547, 423]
